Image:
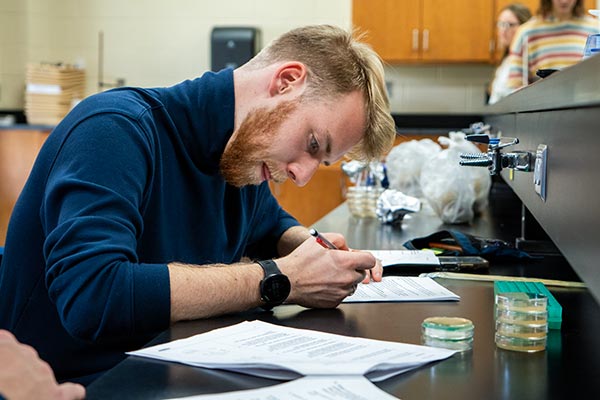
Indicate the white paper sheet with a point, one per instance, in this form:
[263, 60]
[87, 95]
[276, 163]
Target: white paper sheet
[401, 288]
[278, 352]
[407, 257]
[308, 388]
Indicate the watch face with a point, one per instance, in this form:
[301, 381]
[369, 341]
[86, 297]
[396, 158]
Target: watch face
[275, 289]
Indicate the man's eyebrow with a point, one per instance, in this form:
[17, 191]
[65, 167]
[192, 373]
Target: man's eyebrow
[327, 143]
[327, 149]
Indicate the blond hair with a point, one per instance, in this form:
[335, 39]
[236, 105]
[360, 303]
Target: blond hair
[338, 64]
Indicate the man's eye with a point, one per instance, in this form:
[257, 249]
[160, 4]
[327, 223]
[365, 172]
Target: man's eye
[313, 145]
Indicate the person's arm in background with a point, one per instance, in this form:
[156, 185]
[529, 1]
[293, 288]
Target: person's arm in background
[23, 375]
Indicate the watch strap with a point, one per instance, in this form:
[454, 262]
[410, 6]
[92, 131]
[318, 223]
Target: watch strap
[272, 274]
[269, 267]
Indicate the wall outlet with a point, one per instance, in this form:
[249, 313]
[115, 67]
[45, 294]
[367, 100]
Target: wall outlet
[539, 171]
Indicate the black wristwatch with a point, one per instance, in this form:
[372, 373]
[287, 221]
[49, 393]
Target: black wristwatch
[275, 286]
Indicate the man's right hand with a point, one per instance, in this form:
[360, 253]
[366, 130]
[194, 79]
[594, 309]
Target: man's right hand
[322, 278]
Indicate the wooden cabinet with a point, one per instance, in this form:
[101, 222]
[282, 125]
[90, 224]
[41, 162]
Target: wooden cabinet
[427, 30]
[405, 31]
[18, 150]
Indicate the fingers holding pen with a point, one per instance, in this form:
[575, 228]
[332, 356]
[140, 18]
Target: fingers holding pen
[375, 274]
[374, 270]
[328, 243]
[357, 266]
[322, 277]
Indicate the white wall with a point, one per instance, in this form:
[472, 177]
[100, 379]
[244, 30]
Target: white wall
[13, 52]
[159, 42]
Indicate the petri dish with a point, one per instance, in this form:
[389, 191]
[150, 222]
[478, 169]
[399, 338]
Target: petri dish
[522, 301]
[448, 332]
[527, 345]
[522, 331]
[460, 345]
[521, 321]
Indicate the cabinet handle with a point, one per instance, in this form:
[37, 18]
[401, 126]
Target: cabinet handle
[425, 39]
[415, 39]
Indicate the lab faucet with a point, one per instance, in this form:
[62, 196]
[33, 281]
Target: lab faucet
[494, 159]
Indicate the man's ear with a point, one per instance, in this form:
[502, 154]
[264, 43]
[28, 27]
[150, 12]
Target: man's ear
[288, 77]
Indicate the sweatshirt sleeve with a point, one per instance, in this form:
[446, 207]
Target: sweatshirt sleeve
[272, 222]
[91, 215]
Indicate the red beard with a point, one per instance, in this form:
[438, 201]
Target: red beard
[247, 151]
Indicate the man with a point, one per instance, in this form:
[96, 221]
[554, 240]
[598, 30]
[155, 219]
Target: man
[143, 202]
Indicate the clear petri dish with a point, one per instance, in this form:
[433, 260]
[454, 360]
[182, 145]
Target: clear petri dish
[454, 333]
[527, 345]
[452, 328]
[460, 345]
[522, 331]
[521, 301]
[509, 316]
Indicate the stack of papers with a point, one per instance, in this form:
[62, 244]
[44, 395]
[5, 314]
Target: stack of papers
[308, 388]
[51, 92]
[277, 352]
[405, 257]
[401, 288]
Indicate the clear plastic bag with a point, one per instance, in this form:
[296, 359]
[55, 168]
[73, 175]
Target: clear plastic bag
[456, 193]
[404, 163]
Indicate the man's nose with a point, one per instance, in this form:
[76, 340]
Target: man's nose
[301, 172]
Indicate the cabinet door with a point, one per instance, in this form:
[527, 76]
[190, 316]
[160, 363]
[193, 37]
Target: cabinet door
[392, 27]
[18, 150]
[457, 30]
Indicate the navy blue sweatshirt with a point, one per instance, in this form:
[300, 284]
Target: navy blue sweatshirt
[128, 182]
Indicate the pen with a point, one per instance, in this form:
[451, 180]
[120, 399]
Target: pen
[321, 240]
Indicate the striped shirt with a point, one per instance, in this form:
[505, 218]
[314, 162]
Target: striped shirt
[547, 43]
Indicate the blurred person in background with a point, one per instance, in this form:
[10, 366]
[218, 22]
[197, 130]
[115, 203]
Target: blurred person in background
[553, 39]
[509, 19]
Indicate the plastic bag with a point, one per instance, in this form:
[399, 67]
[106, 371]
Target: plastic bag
[404, 163]
[456, 193]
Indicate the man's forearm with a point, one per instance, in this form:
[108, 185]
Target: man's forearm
[206, 291]
[291, 239]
